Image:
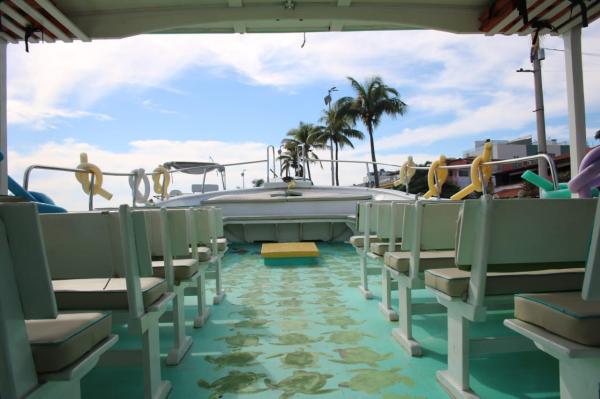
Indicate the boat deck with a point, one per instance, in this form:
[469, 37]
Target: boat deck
[302, 332]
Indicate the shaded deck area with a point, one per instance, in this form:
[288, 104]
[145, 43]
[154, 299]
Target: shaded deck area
[303, 332]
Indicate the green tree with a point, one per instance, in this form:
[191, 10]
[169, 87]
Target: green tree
[338, 130]
[258, 182]
[373, 100]
[289, 160]
[304, 135]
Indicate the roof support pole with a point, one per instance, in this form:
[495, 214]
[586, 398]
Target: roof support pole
[575, 97]
[3, 126]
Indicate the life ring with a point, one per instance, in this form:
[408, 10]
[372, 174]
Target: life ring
[476, 181]
[85, 178]
[407, 171]
[158, 186]
[139, 177]
[588, 176]
[441, 174]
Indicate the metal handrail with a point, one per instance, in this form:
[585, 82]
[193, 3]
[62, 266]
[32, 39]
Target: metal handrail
[304, 160]
[546, 157]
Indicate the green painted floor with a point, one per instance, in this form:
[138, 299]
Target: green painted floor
[302, 332]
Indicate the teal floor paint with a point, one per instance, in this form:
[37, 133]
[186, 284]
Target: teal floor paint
[306, 332]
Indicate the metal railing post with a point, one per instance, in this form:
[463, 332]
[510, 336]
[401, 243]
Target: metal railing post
[91, 196]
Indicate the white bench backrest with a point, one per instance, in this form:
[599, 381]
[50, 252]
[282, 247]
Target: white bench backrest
[180, 243]
[385, 219]
[83, 244]
[361, 213]
[437, 221]
[206, 221]
[591, 282]
[25, 293]
[24, 258]
[527, 234]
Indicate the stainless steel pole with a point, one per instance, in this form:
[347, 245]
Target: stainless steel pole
[539, 112]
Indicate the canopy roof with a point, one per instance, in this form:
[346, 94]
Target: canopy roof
[66, 20]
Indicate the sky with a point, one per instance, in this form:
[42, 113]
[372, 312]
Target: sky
[142, 101]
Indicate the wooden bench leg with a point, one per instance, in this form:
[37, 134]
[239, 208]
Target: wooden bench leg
[385, 306]
[220, 294]
[579, 378]
[203, 310]
[182, 342]
[364, 278]
[403, 333]
[455, 380]
[154, 387]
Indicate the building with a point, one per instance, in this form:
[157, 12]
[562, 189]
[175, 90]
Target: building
[386, 178]
[517, 148]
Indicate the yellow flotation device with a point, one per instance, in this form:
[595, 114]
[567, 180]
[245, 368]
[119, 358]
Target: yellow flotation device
[441, 174]
[85, 178]
[486, 172]
[407, 171]
[159, 171]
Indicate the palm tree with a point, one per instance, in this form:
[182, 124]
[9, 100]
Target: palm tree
[374, 99]
[338, 129]
[289, 160]
[304, 135]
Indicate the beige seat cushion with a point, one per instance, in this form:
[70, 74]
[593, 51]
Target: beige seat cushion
[562, 313]
[183, 268]
[359, 241]
[221, 244]
[57, 343]
[455, 282]
[204, 253]
[380, 248]
[400, 261]
[100, 293]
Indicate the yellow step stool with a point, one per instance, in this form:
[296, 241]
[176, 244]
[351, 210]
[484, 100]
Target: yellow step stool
[290, 253]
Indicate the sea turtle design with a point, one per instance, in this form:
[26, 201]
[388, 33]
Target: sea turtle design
[287, 294]
[360, 355]
[239, 340]
[250, 313]
[301, 382]
[294, 302]
[293, 324]
[335, 310]
[235, 382]
[295, 339]
[298, 359]
[347, 337]
[341, 321]
[373, 381]
[323, 284]
[234, 359]
[256, 302]
[292, 312]
[251, 323]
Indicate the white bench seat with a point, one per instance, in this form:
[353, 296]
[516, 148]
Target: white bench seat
[400, 261]
[183, 269]
[380, 248]
[222, 244]
[455, 283]
[563, 313]
[204, 253]
[359, 241]
[104, 293]
[58, 343]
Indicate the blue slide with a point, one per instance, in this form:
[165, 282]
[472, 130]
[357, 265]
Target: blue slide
[43, 202]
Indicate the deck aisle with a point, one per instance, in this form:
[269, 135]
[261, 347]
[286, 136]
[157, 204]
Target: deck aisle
[304, 331]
